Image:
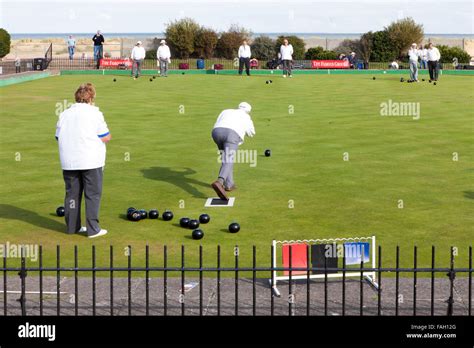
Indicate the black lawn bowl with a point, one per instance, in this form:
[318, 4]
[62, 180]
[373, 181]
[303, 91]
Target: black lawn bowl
[193, 224]
[129, 210]
[183, 222]
[234, 227]
[434, 83]
[197, 234]
[134, 215]
[115, 80]
[151, 80]
[60, 211]
[153, 214]
[204, 218]
[429, 81]
[143, 214]
[182, 73]
[423, 80]
[268, 153]
[373, 78]
[402, 79]
[154, 77]
[270, 81]
[167, 215]
[267, 82]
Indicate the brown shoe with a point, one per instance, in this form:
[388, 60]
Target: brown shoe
[232, 188]
[217, 186]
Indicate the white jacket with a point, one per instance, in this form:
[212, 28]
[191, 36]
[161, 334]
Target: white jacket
[163, 52]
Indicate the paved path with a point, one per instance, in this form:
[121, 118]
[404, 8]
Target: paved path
[209, 301]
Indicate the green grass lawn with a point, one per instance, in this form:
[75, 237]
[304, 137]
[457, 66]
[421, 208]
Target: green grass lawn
[173, 158]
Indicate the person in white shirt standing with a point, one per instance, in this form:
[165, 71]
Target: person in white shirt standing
[413, 55]
[138, 54]
[71, 46]
[228, 133]
[82, 133]
[286, 52]
[423, 57]
[433, 62]
[163, 55]
[244, 58]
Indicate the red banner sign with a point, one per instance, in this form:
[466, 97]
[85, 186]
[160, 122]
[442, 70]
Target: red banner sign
[330, 64]
[115, 63]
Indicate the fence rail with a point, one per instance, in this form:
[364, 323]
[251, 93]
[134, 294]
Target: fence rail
[8, 67]
[160, 293]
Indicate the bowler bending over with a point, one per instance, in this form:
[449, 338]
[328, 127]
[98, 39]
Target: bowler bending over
[228, 133]
[82, 134]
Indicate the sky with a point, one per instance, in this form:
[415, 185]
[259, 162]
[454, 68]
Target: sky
[277, 16]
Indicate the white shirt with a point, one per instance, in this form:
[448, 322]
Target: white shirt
[78, 131]
[286, 52]
[163, 52]
[244, 51]
[394, 65]
[413, 54]
[424, 54]
[138, 53]
[433, 54]
[237, 120]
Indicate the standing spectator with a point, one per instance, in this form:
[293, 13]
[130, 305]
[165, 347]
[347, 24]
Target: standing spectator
[244, 58]
[71, 46]
[352, 60]
[138, 54]
[286, 53]
[394, 65]
[82, 133]
[164, 58]
[423, 57]
[17, 65]
[98, 46]
[433, 62]
[413, 55]
[342, 56]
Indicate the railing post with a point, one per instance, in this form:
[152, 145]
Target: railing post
[452, 275]
[22, 275]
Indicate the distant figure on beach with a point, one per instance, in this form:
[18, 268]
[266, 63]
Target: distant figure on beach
[98, 46]
[71, 46]
[17, 65]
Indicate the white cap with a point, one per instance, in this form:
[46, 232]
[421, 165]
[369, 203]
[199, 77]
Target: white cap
[139, 42]
[245, 106]
[352, 52]
[162, 42]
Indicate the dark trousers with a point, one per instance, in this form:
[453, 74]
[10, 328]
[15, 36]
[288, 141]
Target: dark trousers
[246, 62]
[78, 182]
[287, 67]
[17, 69]
[433, 67]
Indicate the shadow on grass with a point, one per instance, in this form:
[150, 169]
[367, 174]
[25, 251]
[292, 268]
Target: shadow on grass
[469, 194]
[178, 178]
[11, 212]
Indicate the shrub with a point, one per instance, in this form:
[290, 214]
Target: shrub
[180, 36]
[403, 33]
[448, 53]
[4, 42]
[230, 41]
[263, 48]
[320, 54]
[205, 42]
